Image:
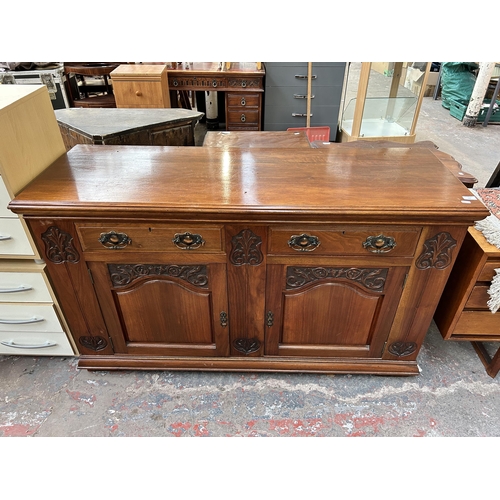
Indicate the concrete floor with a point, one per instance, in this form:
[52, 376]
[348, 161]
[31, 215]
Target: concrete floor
[453, 395]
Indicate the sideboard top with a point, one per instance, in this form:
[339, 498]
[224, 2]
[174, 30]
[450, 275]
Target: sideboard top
[269, 184]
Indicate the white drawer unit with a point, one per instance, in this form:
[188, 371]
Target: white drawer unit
[35, 344]
[23, 287]
[28, 318]
[14, 240]
[31, 322]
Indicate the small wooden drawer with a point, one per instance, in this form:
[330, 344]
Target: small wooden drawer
[4, 201]
[488, 271]
[13, 239]
[376, 241]
[478, 298]
[36, 344]
[477, 324]
[243, 116]
[28, 318]
[243, 100]
[151, 238]
[23, 287]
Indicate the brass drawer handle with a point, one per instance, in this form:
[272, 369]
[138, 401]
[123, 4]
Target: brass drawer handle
[188, 241]
[379, 244]
[114, 240]
[243, 118]
[304, 243]
[243, 101]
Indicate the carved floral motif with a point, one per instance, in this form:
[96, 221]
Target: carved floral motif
[59, 246]
[246, 346]
[246, 249]
[437, 252]
[124, 274]
[373, 279]
[94, 343]
[402, 348]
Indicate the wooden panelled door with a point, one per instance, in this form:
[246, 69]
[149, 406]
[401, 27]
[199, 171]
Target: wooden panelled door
[164, 309]
[328, 311]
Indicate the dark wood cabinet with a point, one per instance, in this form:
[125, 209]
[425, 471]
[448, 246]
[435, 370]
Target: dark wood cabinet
[248, 260]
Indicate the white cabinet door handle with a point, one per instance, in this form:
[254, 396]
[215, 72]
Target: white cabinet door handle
[11, 343]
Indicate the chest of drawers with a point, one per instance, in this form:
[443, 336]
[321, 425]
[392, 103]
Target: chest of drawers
[31, 322]
[248, 259]
[141, 86]
[463, 312]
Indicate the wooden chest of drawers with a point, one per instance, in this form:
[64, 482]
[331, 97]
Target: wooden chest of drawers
[31, 322]
[463, 313]
[248, 259]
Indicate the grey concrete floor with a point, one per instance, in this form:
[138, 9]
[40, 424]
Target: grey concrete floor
[452, 397]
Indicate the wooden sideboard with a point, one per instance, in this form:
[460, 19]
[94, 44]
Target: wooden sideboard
[326, 260]
[242, 83]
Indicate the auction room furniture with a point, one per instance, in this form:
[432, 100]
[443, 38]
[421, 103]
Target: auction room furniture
[88, 85]
[378, 107]
[248, 259]
[287, 93]
[448, 161]
[154, 127]
[463, 313]
[141, 86]
[242, 84]
[279, 139]
[31, 322]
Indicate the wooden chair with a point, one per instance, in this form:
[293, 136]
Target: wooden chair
[88, 84]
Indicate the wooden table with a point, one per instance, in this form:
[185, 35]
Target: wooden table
[242, 83]
[150, 127]
[257, 259]
[271, 139]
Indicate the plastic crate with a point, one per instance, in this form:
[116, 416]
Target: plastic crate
[314, 133]
[459, 108]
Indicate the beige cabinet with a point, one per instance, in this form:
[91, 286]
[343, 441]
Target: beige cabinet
[141, 86]
[31, 321]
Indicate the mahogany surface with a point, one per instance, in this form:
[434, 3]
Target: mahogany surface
[256, 259]
[249, 139]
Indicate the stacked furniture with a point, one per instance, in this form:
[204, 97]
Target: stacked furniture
[31, 321]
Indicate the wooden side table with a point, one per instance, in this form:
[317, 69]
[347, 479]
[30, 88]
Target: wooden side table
[141, 86]
[463, 313]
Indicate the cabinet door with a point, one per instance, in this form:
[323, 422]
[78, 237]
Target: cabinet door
[164, 309]
[331, 311]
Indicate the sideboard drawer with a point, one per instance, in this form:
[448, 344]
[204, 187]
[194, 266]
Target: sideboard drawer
[13, 239]
[23, 287]
[28, 318]
[379, 241]
[35, 344]
[151, 238]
